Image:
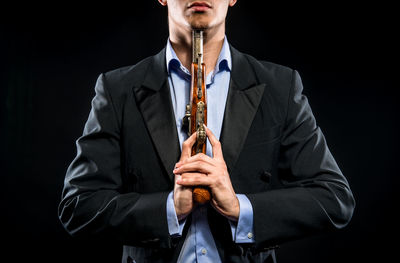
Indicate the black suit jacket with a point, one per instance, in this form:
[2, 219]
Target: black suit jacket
[275, 152]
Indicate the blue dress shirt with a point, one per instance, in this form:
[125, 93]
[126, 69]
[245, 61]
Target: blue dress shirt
[199, 245]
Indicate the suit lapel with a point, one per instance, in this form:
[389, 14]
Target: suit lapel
[242, 103]
[241, 107]
[154, 100]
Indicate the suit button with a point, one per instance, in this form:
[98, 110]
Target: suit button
[250, 235]
[266, 176]
[204, 251]
[132, 176]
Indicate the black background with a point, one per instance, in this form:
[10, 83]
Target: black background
[50, 59]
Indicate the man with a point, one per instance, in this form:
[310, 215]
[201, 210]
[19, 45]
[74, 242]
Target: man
[268, 167]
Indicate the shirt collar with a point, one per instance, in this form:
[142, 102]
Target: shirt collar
[224, 61]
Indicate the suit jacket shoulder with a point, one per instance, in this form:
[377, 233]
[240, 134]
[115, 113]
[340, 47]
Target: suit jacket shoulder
[129, 74]
[275, 75]
[136, 75]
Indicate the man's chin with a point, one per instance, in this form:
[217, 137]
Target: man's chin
[199, 25]
[201, 28]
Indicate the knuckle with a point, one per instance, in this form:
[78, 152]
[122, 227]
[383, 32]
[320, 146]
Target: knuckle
[217, 182]
[200, 156]
[185, 176]
[201, 165]
[223, 166]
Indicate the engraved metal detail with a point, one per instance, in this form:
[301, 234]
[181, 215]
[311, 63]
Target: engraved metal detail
[201, 131]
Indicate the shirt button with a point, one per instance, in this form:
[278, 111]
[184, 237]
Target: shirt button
[250, 235]
[204, 251]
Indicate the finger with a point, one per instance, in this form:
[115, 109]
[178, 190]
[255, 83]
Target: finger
[187, 147]
[197, 157]
[179, 176]
[216, 145]
[186, 175]
[195, 180]
[197, 166]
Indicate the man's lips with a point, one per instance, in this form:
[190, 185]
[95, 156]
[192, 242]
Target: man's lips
[199, 6]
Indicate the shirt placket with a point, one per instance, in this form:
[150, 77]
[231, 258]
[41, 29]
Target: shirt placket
[205, 251]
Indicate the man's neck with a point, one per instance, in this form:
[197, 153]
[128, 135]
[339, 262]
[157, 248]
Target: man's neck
[182, 45]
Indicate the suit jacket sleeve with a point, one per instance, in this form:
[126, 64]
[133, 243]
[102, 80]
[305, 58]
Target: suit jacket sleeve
[315, 195]
[93, 200]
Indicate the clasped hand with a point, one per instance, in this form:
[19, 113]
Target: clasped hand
[202, 170]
